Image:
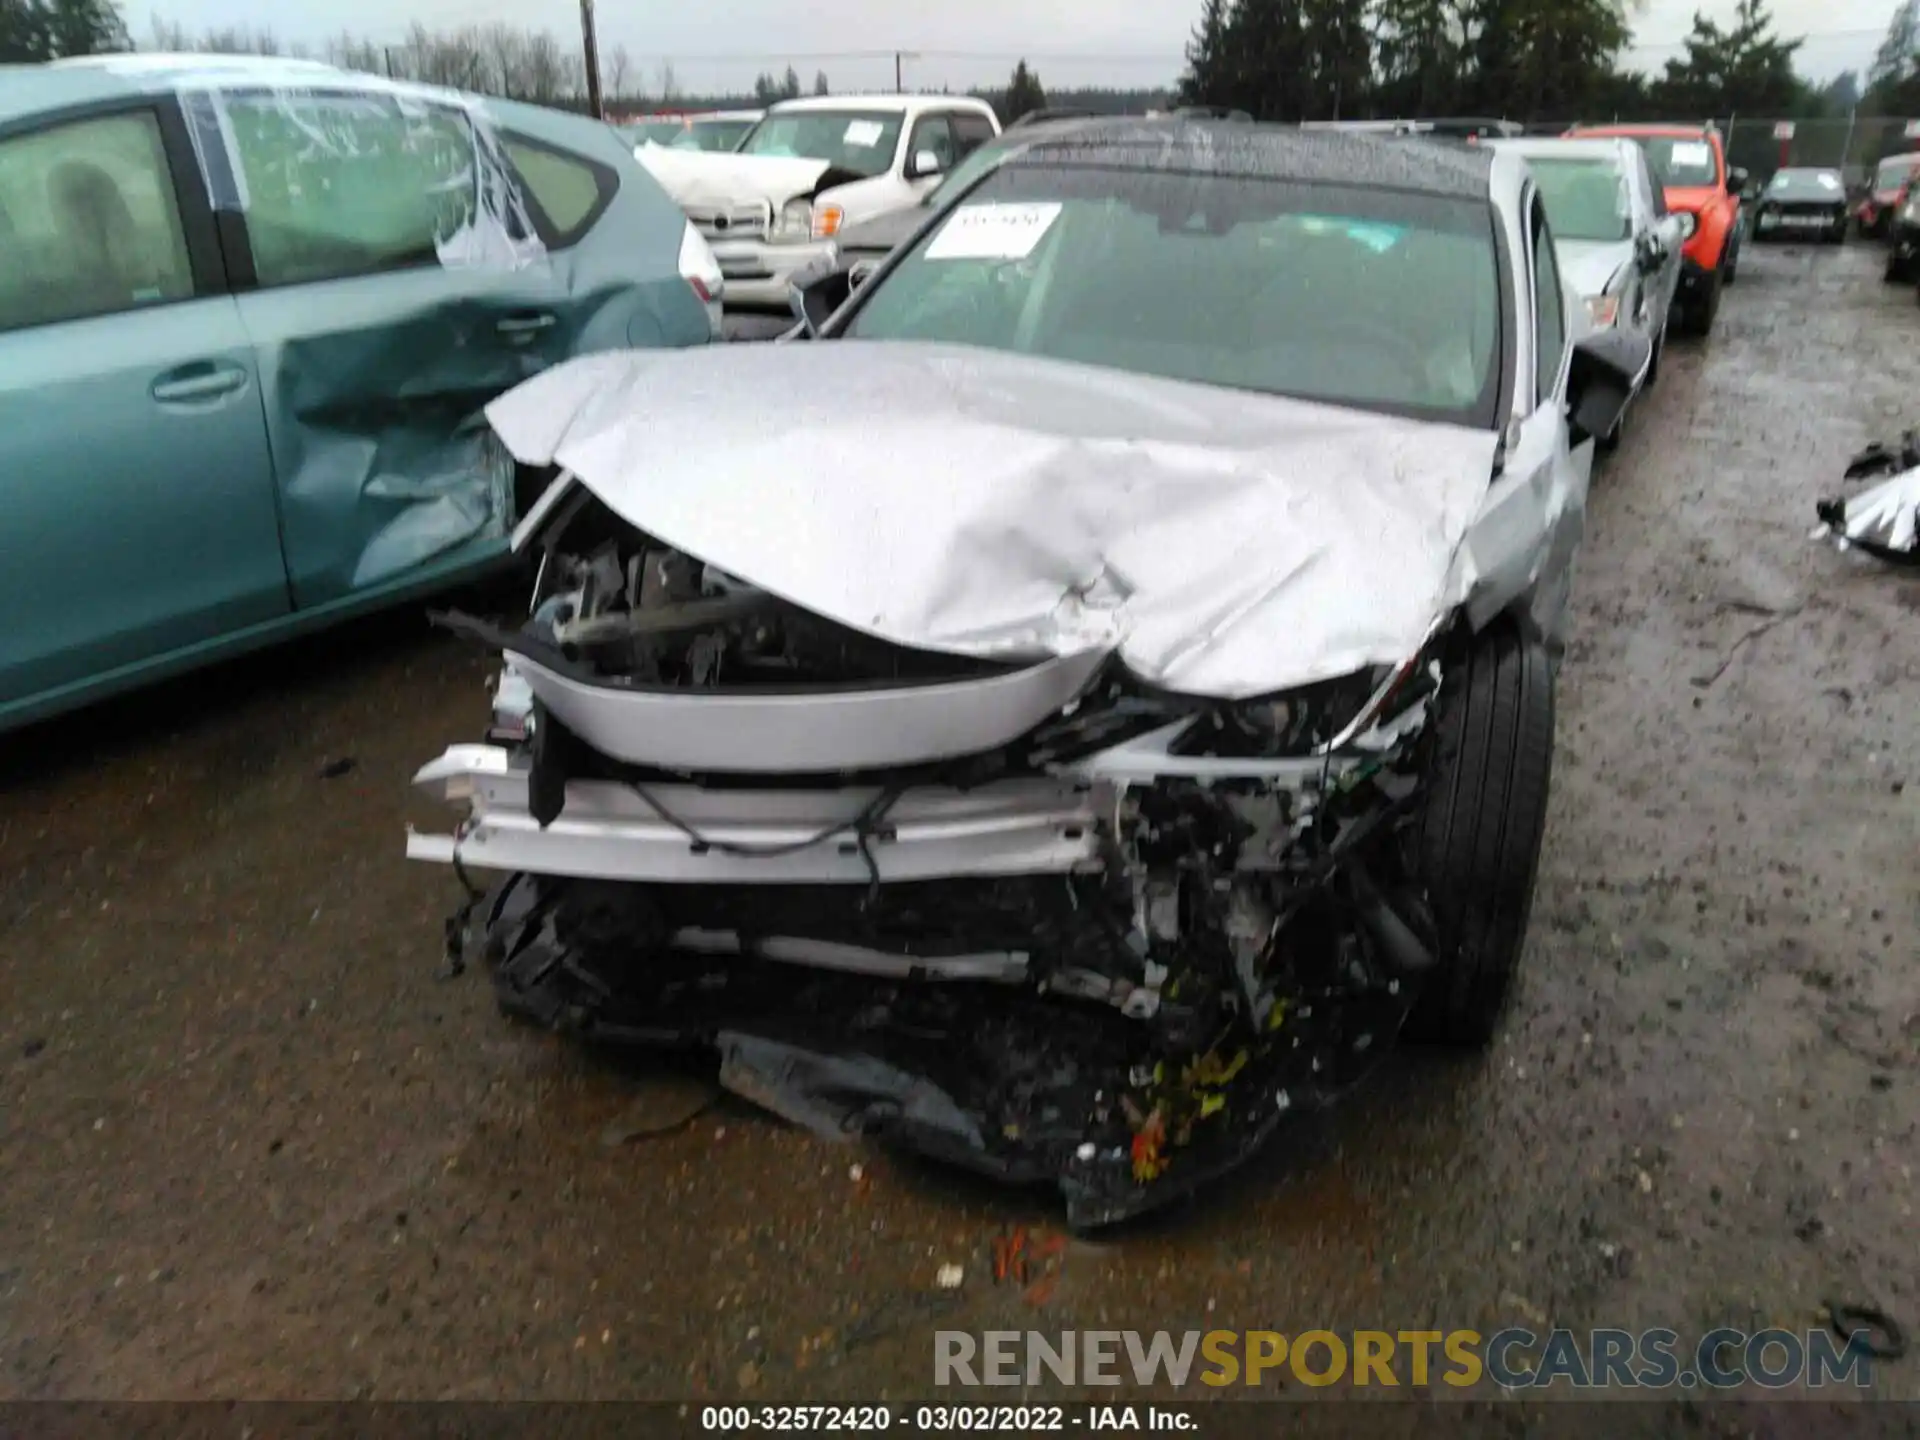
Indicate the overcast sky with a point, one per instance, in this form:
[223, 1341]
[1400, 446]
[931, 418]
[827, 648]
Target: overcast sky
[719, 45]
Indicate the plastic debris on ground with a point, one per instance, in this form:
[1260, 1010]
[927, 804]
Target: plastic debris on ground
[1884, 520]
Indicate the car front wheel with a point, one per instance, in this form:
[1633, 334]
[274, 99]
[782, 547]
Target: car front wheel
[1480, 831]
[1701, 313]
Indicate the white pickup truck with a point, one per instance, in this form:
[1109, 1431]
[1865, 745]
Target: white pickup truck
[771, 208]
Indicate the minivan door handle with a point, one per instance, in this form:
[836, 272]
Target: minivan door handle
[521, 327]
[198, 383]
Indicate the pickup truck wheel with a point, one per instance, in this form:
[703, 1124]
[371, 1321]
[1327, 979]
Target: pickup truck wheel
[1480, 831]
[1730, 266]
[1895, 271]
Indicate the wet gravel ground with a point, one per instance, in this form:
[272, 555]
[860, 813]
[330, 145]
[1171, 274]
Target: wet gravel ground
[250, 1145]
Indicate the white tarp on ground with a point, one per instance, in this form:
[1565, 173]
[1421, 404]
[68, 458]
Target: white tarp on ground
[954, 499]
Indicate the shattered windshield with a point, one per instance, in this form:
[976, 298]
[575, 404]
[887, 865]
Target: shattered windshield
[860, 141]
[1366, 297]
[1585, 199]
[1680, 161]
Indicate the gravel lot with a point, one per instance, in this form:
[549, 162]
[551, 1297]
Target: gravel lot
[251, 1146]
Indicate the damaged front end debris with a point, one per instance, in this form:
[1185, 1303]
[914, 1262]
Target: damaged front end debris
[1083, 931]
[1064, 842]
[1882, 520]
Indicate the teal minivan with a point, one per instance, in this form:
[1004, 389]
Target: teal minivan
[250, 313]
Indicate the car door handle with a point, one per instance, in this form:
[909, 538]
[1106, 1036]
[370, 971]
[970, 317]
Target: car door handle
[196, 384]
[518, 327]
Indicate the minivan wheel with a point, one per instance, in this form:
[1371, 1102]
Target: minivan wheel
[1480, 830]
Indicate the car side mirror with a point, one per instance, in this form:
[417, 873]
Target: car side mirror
[1649, 249]
[1607, 367]
[1736, 181]
[814, 298]
[925, 163]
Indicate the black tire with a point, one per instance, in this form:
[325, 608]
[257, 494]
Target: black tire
[1701, 313]
[1730, 266]
[1653, 365]
[1481, 828]
[1895, 271]
[1838, 235]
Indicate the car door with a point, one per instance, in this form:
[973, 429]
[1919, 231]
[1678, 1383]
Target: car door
[136, 485]
[392, 285]
[1544, 480]
[971, 130]
[931, 135]
[1664, 282]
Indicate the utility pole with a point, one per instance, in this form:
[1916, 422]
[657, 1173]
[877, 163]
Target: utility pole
[899, 84]
[594, 107]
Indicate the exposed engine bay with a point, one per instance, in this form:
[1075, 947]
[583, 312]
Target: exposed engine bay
[1111, 952]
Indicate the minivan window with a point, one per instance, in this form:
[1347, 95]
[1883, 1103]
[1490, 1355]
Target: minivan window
[1359, 296]
[343, 185]
[89, 222]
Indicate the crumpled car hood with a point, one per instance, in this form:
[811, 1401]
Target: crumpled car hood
[1219, 542]
[1592, 264]
[703, 177]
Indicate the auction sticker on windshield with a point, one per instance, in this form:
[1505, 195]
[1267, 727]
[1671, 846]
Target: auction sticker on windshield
[862, 132]
[993, 232]
[1692, 152]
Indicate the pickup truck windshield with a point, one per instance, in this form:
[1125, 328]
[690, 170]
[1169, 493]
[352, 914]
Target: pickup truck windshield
[1585, 199]
[860, 141]
[1365, 297]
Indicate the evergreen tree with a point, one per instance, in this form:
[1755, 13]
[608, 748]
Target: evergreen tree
[36, 30]
[1024, 95]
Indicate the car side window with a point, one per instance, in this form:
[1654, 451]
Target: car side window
[970, 131]
[1550, 324]
[89, 222]
[346, 185]
[571, 190]
[932, 133]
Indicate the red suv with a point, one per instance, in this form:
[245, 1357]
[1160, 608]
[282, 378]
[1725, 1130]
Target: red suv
[1690, 162]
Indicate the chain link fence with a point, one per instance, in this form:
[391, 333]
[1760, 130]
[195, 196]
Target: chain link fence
[1853, 146]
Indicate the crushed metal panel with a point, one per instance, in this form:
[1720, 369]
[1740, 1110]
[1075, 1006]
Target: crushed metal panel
[1007, 507]
[754, 732]
[374, 375]
[611, 831]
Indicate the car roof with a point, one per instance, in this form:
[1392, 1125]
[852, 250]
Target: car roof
[1280, 152]
[27, 90]
[902, 103]
[1597, 147]
[1690, 132]
[30, 90]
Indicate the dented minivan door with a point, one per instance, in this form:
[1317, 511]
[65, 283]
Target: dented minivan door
[393, 300]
